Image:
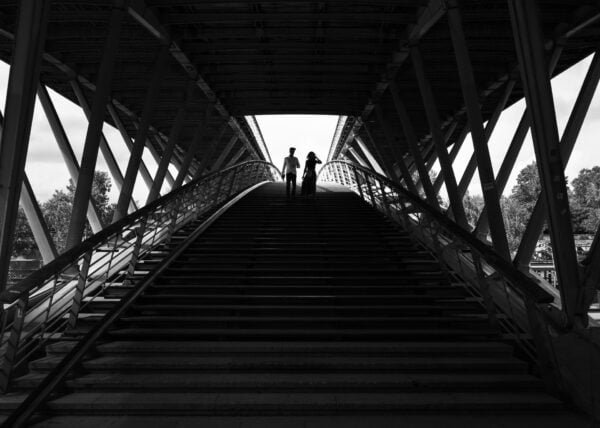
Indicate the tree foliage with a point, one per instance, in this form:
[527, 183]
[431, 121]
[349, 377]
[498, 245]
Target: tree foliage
[57, 214]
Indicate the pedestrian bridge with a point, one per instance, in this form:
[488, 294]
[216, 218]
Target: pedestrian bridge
[217, 301]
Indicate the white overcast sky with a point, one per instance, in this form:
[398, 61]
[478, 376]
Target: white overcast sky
[47, 172]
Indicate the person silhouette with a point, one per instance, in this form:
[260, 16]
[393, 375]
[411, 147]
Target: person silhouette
[309, 177]
[288, 173]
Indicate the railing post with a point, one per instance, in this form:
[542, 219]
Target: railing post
[358, 182]
[139, 236]
[12, 346]
[384, 199]
[373, 202]
[79, 289]
[234, 172]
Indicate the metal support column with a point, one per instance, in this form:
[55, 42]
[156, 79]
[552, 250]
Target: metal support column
[193, 147]
[20, 101]
[83, 190]
[142, 133]
[469, 172]
[439, 181]
[66, 150]
[207, 155]
[155, 140]
[384, 159]
[484, 163]
[109, 157]
[361, 160]
[438, 139]
[236, 157]
[170, 148]
[234, 138]
[363, 148]
[538, 93]
[411, 139]
[36, 221]
[538, 217]
[127, 140]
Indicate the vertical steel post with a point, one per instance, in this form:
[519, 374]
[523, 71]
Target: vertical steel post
[389, 168]
[105, 149]
[411, 139]
[236, 157]
[66, 150]
[482, 154]
[538, 217]
[207, 155]
[20, 100]
[439, 181]
[436, 133]
[194, 145]
[142, 133]
[372, 160]
[170, 148]
[79, 289]
[127, 140]
[467, 177]
[92, 138]
[538, 93]
[36, 221]
[234, 138]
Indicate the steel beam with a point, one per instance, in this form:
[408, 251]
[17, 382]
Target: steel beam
[170, 148]
[356, 156]
[538, 93]
[83, 190]
[150, 145]
[469, 172]
[105, 149]
[356, 149]
[36, 221]
[411, 139]
[20, 100]
[538, 217]
[513, 149]
[236, 157]
[439, 181]
[484, 163]
[145, 16]
[207, 155]
[384, 159]
[234, 138]
[66, 150]
[363, 147]
[142, 133]
[193, 147]
[128, 143]
[405, 173]
[438, 139]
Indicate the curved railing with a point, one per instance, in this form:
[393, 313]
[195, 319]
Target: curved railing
[48, 302]
[517, 305]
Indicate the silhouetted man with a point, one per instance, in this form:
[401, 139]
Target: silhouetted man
[288, 172]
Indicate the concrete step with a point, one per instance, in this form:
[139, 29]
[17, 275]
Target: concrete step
[295, 382]
[303, 403]
[497, 349]
[293, 363]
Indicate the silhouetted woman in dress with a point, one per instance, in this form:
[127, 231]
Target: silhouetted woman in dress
[309, 178]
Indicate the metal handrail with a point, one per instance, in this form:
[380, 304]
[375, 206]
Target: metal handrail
[519, 280]
[518, 307]
[48, 302]
[40, 394]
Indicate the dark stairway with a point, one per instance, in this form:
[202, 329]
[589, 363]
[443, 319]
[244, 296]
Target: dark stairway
[302, 313]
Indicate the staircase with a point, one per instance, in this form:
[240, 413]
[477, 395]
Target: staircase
[316, 313]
